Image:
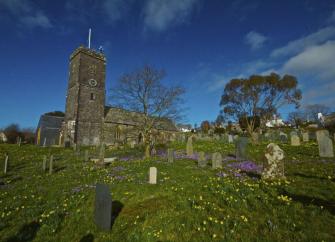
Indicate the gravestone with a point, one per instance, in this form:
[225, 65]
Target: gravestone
[283, 137]
[170, 155]
[305, 137]
[86, 156]
[51, 164]
[153, 175]
[6, 164]
[325, 145]
[241, 148]
[44, 165]
[189, 146]
[230, 139]
[19, 141]
[216, 160]
[295, 140]
[320, 133]
[103, 207]
[202, 162]
[274, 167]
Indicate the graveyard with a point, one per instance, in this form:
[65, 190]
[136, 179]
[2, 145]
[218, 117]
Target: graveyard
[191, 199]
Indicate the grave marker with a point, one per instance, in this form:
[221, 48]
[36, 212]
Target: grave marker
[202, 162]
[325, 145]
[216, 160]
[305, 137]
[103, 207]
[241, 148]
[295, 140]
[189, 146]
[274, 167]
[170, 155]
[153, 175]
[44, 165]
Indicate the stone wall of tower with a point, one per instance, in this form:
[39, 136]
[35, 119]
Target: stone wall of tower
[85, 100]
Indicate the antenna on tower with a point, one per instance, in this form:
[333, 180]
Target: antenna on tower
[89, 38]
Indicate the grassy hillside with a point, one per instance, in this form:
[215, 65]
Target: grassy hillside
[187, 204]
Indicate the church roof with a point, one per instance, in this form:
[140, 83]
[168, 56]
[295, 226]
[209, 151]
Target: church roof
[126, 117]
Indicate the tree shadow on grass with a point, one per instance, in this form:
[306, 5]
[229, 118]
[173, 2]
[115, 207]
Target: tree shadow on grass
[87, 238]
[117, 206]
[26, 233]
[307, 200]
[308, 176]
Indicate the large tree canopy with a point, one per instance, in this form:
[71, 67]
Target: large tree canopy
[259, 96]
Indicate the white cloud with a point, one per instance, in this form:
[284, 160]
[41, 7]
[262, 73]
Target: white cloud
[317, 61]
[161, 14]
[26, 14]
[115, 9]
[255, 40]
[301, 44]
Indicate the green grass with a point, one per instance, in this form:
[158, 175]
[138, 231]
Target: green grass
[187, 204]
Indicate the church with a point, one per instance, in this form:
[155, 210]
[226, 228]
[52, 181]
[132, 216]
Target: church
[87, 120]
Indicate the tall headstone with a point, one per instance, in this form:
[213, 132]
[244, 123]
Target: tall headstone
[6, 164]
[241, 148]
[103, 207]
[44, 164]
[274, 167]
[153, 175]
[202, 162]
[51, 164]
[216, 160]
[325, 145]
[305, 137]
[170, 155]
[189, 146]
[295, 140]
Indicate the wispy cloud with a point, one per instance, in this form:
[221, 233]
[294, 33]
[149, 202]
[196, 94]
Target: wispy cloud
[299, 45]
[115, 9]
[159, 15]
[331, 19]
[255, 40]
[26, 13]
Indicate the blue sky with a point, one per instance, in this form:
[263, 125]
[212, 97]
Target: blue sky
[200, 44]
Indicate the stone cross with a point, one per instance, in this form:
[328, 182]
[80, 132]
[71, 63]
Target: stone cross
[325, 145]
[274, 167]
[305, 137]
[170, 155]
[241, 148]
[295, 140]
[189, 146]
[51, 164]
[153, 175]
[103, 207]
[86, 156]
[202, 162]
[44, 165]
[216, 160]
[6, 164]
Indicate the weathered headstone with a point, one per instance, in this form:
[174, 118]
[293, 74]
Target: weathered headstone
[6, 164]
[283, 137]
[305, 137]
[325, 145]
[153, 175]
[86, 156]
[230, 139]
[295, 140]
[103, 207]
[216, 160]
[44, 165]
[241, 148]
[189, 146]
[274, 167]
[51, 164]
[320, 133]
[170, 155]
[202, 162]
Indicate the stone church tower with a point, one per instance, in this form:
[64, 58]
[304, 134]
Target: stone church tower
[85, 100]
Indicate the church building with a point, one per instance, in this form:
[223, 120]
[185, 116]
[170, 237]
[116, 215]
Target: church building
[88, 121]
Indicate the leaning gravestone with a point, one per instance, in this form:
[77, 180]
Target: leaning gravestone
[202, 162]
[305, 137]
[295, 140]
[51, 164]
[325, 145]
[189, 146]
[216, 160]
[153, 175]
[241, 148]
[103, 207]
[274, 167]
[170, 155]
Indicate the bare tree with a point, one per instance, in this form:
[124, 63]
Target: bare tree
[143, 92]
